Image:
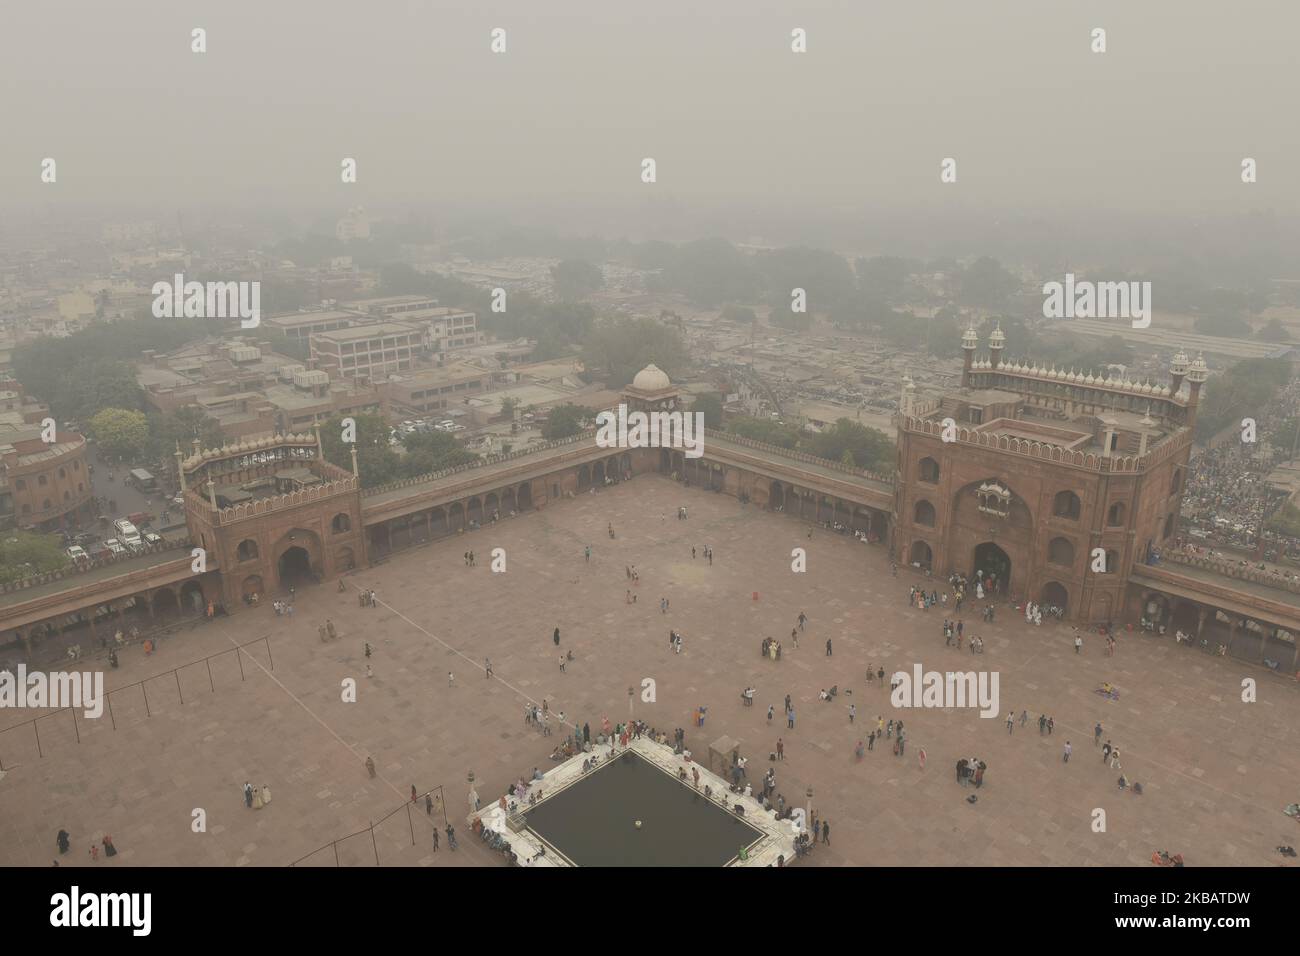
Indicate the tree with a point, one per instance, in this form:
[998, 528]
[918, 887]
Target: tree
[766, 430]
[509, 405]
[825, 276]
[710, 404]
[576, 279]
[1224, 326]
[24, 554]
[428, 452]
[120, 433]
[868, 447]
[1273, 331]
[623, 347]
[377, 462]
[742, 315]
[564, 420]
[179, 428]
[1242, 389]
[986, 284]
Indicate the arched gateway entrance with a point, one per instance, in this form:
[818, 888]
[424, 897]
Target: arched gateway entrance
[294, 567]
[990, 560]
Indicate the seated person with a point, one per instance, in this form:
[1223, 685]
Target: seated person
[823, 695]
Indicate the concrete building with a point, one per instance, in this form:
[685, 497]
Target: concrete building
[372, 352]
[44, 486]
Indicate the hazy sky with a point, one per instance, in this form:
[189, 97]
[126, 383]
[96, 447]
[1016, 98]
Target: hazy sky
[709, 88]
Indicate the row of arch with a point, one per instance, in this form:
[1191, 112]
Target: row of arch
[605, 471]
[1245, 638]
[146, 609]
[421, 526]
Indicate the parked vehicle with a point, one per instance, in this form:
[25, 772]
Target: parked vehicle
[114, 548]
[78, 554]
[142, 480]
[127, 533]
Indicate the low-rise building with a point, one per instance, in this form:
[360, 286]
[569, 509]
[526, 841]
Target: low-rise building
[44, 486]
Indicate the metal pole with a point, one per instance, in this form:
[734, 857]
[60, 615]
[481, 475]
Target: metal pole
[144, 690]
[336, 853]
[109, 695]
[75, 729]
[410, 823]
[239, 656]
[39, 752]
[267, 639]
[178, 686]
[374, 844]
[211, 686]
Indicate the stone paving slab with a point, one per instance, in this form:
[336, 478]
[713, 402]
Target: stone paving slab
[1217, 772]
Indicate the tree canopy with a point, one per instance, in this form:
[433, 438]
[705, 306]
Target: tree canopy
[24, 554]
[564, 420]
[121, 433]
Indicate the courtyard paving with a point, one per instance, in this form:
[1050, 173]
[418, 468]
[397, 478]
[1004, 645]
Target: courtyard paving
[1217, 772]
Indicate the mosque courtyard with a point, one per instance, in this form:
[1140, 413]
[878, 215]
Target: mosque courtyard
[1216, 772]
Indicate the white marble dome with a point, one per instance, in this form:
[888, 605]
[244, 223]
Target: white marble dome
[651, 379]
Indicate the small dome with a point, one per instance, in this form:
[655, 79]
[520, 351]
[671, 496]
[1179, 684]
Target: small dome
[968, 338]
[651, 379]
[1198, 371]
[1178, 364]
[998, 338]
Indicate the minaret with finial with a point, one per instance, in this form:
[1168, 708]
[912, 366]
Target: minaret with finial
[1177, 371]
[1197, 373]
[907, 402]
[356, 473]
[180, 466]
[969, 342]
[997, 342]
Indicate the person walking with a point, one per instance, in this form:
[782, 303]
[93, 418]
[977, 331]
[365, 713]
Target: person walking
[428, 809]
[1078, 643]
[1051, 722]
[1024, 717]
[780, 749]
[771, 709]
[557, 637]
[435, 839]
[451, 678]
[920, 757]
[871, 740]
[789, 718]
[826, 832]
[853, 712]
[1011, 721]
[248, 795]
[1114, 760]
[370, 769]
[803, 619]
[1105, 752]
[828, 647]
[487, 667]
[1067, 753]
[1096, 735]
